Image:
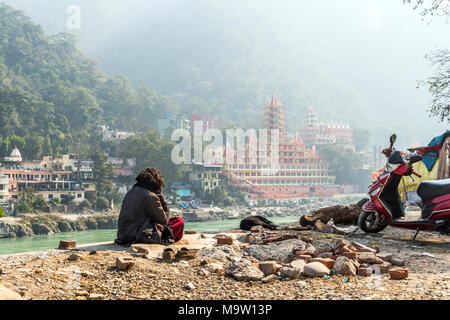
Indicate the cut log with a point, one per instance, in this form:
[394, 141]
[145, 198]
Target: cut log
[339, 214]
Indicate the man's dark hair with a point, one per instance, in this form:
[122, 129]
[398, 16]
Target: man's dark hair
[151, 177]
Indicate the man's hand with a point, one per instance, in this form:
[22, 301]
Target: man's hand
[160, 227]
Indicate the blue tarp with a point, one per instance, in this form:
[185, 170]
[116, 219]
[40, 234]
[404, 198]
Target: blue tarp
[430, 158]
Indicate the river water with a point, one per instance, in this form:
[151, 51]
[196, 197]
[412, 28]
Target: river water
[37, 243]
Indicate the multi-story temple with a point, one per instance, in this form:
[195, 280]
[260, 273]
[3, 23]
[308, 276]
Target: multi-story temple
[299, 172]
[316, 133]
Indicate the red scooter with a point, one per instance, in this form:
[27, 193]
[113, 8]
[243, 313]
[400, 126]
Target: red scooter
[385, 207]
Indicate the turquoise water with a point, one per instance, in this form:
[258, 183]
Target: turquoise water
[37, 243]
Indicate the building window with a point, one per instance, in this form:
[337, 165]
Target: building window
[50, 196]
[79, 195]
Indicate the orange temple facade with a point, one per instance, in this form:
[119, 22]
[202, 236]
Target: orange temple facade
[300, 171]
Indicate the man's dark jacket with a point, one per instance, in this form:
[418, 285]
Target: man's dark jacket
[142, 208]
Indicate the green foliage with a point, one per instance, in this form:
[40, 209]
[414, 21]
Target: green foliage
[67, 198]
[102, 203]
[54, 201]
[150, 150]
[29, 202]
[52, 97]
[85, 204]
[2, 212]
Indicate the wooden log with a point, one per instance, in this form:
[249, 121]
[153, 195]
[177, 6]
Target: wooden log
[339, 214]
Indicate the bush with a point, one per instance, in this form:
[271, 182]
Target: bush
[67, 198]
[54, 201]
[102, 203]
[84, 205]
[2, 212]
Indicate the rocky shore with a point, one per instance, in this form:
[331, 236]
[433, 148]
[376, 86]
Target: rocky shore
[293, 265]
[46, 224]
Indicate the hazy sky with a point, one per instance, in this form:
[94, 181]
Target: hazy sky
[375, 46]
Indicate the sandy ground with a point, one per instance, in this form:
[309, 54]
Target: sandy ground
[50, 275]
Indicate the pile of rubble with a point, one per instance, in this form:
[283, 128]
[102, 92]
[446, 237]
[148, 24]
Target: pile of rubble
[268, 256]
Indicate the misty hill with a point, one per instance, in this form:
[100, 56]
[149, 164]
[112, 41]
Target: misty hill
[358, 62]
[52, 97]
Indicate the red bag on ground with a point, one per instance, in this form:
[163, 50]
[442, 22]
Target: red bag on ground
[177, 226]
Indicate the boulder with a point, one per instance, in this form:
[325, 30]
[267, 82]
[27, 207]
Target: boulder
[66, 245]
[280, 251]
[244, 270]
[315, 269]
[225, 240]
[221, 253]
[344, 266]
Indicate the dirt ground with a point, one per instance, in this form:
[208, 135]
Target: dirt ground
[50, 275]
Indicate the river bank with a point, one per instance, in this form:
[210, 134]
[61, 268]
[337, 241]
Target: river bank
[29, 225]
[86, 274]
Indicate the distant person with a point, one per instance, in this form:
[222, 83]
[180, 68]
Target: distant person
[144, 216]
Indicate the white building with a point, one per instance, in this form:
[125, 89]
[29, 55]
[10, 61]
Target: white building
[4, 180]
[15, 156]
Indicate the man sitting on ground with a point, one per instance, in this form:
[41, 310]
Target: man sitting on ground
[144, 216]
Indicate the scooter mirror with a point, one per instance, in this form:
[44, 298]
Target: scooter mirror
[393, 138]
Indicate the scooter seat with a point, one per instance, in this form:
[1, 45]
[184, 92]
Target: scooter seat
[429, 190]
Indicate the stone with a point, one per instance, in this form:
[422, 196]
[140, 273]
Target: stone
[300, 284]
[190, 286]
[221, 253]
[190, 232]
[280, 251]
[369, 257]
[124, 263]
[244, 270]
[398, 274]
[96, 296]
[256, 229]
[225, 240]
[299, 264]
[203, 273]
[315, 269]
[215, 268]
[186, 254]
[269, 278]
[364, 272]
[326, 255]
[292, 273]
[340, 243]
[344, 266]
[75, 257]
[363, 248]
[303, 257]
[268, 267]
[329, 263]
[385, 257]
[398, 262]
[381, 268]
[141, 249]
[168, 255]
[351, 255]
[93, 252]
[307, 239]
[324, 249]
[272, 239]
[67, 245]
[82, 293]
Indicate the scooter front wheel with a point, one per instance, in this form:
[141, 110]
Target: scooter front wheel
[371, 222]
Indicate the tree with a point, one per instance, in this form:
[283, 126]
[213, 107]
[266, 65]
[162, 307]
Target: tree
[439, 84]
[102, 167]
